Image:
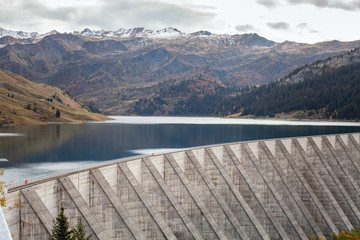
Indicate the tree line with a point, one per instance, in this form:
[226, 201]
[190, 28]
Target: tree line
[335, 93]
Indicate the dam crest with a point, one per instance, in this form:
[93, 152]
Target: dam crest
[267, 189]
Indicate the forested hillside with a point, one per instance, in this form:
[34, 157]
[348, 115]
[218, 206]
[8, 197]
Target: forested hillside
[328, 89]
[335, 94]
[123, 70]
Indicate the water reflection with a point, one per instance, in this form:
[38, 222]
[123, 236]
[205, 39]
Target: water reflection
[98, 142]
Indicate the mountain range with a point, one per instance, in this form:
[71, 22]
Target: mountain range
[324, 89]
[117, 69]
[140, 32]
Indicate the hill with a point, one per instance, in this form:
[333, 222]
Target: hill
[103, 66]
[25, 102]
[328, 89]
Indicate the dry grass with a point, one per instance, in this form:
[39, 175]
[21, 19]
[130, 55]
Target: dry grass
[23, 102]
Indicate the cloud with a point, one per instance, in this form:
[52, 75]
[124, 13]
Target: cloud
[279, 26]
[305, 26]
[338, 4]
[302, 25]
[268, 3]
[245, 28]
[108, 14]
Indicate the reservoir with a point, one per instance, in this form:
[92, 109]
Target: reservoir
[34, 151]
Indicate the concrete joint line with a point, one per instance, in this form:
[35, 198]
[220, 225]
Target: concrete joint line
[83, 208]
[337, 182]
[353, 183]
[115, 201]
[353, 140]
[324, 187]
[184, 217]
[306, 185]
[165, 229]
[293, 193]
[229, 214]
[238, 195]
[39, 208]
[256, 193]
[195, 197]
[346, 150]
[275, 194]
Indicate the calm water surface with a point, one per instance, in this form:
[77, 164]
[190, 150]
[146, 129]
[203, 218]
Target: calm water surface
[37, 150]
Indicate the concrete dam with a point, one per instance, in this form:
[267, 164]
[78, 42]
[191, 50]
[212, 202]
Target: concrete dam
[267, 189]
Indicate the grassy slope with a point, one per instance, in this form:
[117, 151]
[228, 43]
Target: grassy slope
[16, 93]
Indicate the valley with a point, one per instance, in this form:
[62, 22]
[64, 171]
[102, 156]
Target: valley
[168, 72]
[131, 69]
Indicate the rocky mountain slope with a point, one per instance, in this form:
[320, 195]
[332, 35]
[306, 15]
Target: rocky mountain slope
[327, 89]
[25, 102]
[319, 67]
[100, 66]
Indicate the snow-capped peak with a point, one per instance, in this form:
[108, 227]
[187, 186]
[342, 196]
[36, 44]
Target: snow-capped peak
[17, 34]
[202, 34]
[53, 32]
[132, 33]
[168, 33]
[248, 40]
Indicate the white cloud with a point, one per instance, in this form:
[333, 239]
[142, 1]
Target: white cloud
[108, 14]
[245, 28]
[278, 20]
[337, 4]
[279, 26]
[302, 25]
[268, 3]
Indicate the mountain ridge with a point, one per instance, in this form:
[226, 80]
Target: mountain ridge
[139, 32]
[324, 89]
[98, 69]
[318, 67]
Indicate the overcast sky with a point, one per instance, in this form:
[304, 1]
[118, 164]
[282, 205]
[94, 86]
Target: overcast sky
[279, 20]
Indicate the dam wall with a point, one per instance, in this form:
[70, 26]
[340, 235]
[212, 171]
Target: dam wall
[267, 189]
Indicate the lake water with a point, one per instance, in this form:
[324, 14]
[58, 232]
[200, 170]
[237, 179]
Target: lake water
[37, 150]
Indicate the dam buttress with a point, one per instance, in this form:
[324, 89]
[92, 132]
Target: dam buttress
[269, 189]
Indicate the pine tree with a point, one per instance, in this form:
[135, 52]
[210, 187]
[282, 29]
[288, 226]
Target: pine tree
[61, 229]
[335, 237]
[79, 232]
[57, 114]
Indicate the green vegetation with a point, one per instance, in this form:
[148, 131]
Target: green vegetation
[92, 107]
[343, 235]
[315, 238]
[62, 231]
[335, 94]
[79, 232]
[99, 70]
[57, 114]
[163, 98]
[149, 106]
